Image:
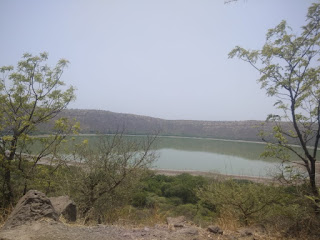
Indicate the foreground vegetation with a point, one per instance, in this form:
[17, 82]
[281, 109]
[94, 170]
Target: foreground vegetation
[148, 199]
[111, 183]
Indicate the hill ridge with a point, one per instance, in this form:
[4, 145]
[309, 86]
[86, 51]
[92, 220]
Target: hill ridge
[108, 122]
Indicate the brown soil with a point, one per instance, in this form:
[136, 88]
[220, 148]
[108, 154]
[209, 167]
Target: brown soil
[51, 230]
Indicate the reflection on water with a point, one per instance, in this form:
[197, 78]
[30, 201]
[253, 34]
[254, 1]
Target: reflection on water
[247, 150]
[213, 162]
[225, 157]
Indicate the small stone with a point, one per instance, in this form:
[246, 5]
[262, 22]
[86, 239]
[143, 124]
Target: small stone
[190, 231]
[177, 221]
[215, 229]
[245, 232]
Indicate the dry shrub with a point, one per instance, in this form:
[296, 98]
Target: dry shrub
[4, 214]
[247, 201]
[228, 221]
[137, 216]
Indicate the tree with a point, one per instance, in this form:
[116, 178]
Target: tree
[289, 70]
[30, 95]
[105, 174]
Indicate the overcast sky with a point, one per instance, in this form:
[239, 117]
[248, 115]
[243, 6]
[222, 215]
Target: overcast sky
[160, 58]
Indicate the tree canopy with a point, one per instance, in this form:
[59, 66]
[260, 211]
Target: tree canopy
[289, 69]
[30, 94]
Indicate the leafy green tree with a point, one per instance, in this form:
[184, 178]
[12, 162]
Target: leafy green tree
[289, 70]
[30, 94]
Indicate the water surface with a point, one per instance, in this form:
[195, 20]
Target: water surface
[202, 154]
[219, 156]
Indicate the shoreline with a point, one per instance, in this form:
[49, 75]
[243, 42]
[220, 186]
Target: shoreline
[218, 176]
[207, 174]
[172, 136]
[159, 136]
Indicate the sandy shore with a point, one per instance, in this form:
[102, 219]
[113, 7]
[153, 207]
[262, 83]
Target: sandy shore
[218, 176]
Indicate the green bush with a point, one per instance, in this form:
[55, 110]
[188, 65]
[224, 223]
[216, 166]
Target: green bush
[247, 200]
[176, 201]
[187, 210]
[139, 199]
[183, 186]
[172, 196]
[154, 201]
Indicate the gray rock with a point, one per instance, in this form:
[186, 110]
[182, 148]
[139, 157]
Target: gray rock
[177, 221]
[245, 232]
[31, 207]
[189, 231]
[127, 235]
[215, 229]
[66, 207]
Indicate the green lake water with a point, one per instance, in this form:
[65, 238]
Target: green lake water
[209, 155]
[225, 157]
[218, 156]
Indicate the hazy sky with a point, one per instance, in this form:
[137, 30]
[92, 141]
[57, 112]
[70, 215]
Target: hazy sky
[161, 58]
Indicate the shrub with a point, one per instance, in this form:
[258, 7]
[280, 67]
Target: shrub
[247, 200]
[187, 210]
[139, 199]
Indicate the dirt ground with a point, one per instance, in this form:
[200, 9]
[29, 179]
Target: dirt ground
[50, 230]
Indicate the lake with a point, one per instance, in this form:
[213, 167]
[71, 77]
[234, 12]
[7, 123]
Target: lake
[211, 155]
[218, 156]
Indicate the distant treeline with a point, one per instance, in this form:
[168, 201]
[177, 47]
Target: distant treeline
[106, 122]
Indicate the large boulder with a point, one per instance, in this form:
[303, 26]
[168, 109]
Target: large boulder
[31, 207]
[66, 207]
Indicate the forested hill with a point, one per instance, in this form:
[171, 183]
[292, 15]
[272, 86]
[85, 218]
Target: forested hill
[98, 121]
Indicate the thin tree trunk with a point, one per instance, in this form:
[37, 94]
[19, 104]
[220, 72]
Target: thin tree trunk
[25, 187]
[313, 178]
[7, 190]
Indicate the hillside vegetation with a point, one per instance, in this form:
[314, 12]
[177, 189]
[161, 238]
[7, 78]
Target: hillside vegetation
[99, 121]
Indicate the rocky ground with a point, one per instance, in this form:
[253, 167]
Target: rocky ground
[52, 230]
[36, 217]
